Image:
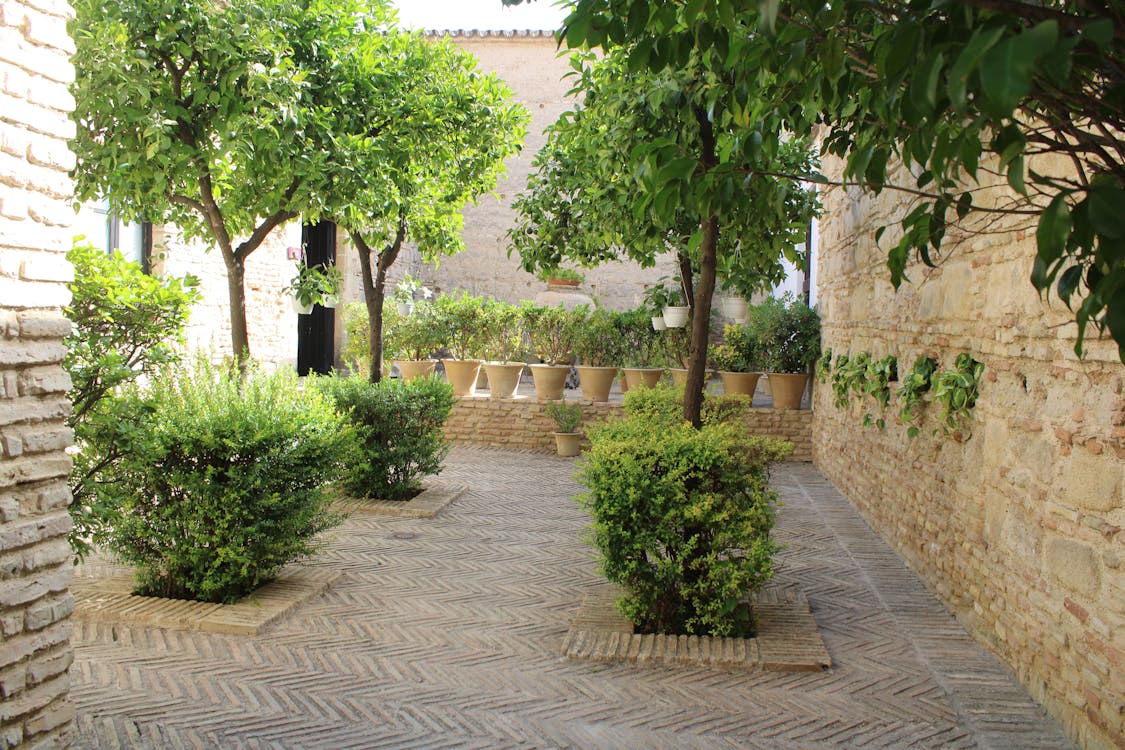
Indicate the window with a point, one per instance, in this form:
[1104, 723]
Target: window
[107, 231]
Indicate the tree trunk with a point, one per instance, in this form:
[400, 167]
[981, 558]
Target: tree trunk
[701, 313]
[701, 324]
[374, 292]
[239, 339]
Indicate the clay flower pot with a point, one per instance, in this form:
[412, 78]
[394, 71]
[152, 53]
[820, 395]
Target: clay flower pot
[787, 389]
[569, 444]
[411, 369]
[744, 383]
[503, 378]
[596, 382]
[462, 375]
[549, 380]
[643, 377]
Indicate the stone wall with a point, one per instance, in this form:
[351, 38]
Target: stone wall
[35, 219]
[522, 423]
[1017, 523]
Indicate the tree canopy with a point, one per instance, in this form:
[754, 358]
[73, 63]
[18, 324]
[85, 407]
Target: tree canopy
[949, 90]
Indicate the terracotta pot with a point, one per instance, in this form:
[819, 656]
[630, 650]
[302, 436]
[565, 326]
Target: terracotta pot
[550, 380]
[624, 383]
[462, 375]
[643, 377]
[740, 382]
[415, 368]
[675, 317]
[596, 382]
[679, 377]
[787, 389]
[503, 378]
[569, 444]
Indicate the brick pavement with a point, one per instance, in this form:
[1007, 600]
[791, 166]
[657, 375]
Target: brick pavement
[447, 632]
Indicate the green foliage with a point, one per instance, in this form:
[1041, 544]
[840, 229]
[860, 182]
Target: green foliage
[567, 416]
[459, 321]
[877, 378]
[126, 325]
[739, 351]
[408, 288]
[911, 393]
[788, 333]
[643, 347]
[663, 294]
[952, 91]
[561, 274]
[956, 391]
[660, 405]
[824, 366]
[220, 481]
[357, 345]
[682, 521]
[848, 377]
[399, 434]
[550, 329]
[595, 337]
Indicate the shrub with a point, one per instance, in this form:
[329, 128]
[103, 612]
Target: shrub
[567, 416]
[503, 336]
[788, 333]
[398, 432]
[597, 342]
[682, 519]
[644, 347]
[549, 328]
[221, 484]
[739, 351]
[126, 324]
[460, 323]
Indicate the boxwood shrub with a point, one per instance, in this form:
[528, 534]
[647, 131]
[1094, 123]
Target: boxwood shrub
[398, 429]
[682, 517]
[220, 484]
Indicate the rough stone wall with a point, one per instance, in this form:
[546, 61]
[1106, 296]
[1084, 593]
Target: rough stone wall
[522, 423]
[270, 319]
[1018, 524]
[35, 219]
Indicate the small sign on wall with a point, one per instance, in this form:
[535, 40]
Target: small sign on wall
[293, 252]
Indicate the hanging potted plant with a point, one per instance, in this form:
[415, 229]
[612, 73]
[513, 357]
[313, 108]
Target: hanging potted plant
[548, 329]
[315, 285]
[788, 334]
[409, 340]
[460, 322]
[405, 292]
[737, 360]
[676, 313]
[599, 349]
[503, 333]
[656, 298]
[568, 439]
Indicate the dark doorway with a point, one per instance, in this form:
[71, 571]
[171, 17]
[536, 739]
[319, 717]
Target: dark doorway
[316, 331]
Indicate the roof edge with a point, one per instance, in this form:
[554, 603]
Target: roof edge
[492, 33]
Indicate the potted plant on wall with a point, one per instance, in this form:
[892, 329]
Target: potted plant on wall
[737, 360]
[503, 335]
[566, 279]
[567, 417]
[315, 285]
[788, 335]
[599, 350]
[645, 351]
[548, 329]
[409, 340]
[460, 322]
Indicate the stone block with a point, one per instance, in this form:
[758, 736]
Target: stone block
[1074, 565]
[40, 381]
[1093, 483]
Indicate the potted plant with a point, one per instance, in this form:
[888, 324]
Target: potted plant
[565, 278]
[676, 313]
[567, 418]
[737, 360]
[409, 340]
[315, 285]
[405, 292]
[656, 298]
[599, 349]
[460, 322]
[645, 351]
[788, 335]
[677, 343]
[548, 329]
[503, 334]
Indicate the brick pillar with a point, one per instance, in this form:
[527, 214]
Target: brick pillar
[35, 219]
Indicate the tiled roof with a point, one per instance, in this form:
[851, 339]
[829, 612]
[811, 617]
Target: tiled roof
[491, 33]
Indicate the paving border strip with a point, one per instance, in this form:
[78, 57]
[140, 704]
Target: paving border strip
[434, 498]
[788, 639]
[109, 599]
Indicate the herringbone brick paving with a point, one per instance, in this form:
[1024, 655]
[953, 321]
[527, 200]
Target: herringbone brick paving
[451, 638]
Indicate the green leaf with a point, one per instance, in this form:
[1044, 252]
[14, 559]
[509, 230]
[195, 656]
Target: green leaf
[1107, 209]
[1006, 70]
[968, 61]
[924, 86]
[1053, 230]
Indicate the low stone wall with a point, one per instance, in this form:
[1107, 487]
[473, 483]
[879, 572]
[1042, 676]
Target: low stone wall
[522, 423]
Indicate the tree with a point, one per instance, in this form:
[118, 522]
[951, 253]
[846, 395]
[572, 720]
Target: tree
[642, 167]
[950, 90]
[193, 112]
[410, 133]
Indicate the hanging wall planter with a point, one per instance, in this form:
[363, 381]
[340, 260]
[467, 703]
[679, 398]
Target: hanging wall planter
[658, 323]
[675, 317]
